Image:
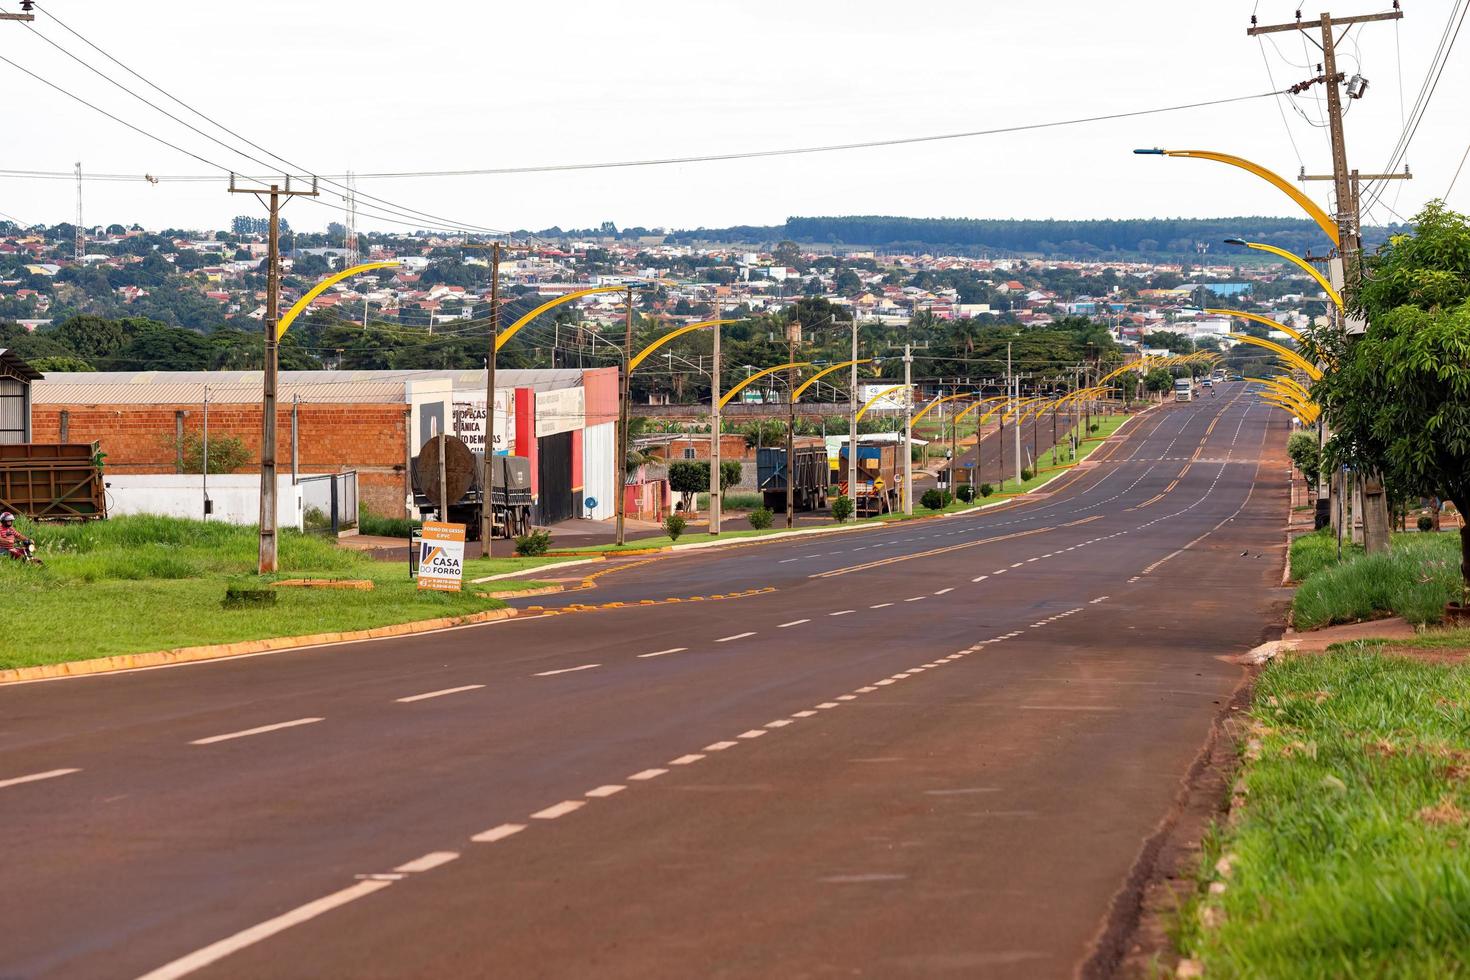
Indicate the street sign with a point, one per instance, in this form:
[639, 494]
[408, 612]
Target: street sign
[589, 502]
[441, 556]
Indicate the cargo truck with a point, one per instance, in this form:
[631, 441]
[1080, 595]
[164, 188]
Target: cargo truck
[809, 484]
[510, 498]
[879, 470]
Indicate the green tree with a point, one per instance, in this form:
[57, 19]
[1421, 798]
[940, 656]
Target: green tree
[1305, 455]
[688, 477]
[1399, 397]
[1158, 380]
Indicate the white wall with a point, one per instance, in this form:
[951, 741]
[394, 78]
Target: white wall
[236, 497]
[599, 450]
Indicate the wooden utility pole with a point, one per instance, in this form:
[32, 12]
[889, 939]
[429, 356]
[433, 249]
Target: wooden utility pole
[1346, 209]
[267, 563]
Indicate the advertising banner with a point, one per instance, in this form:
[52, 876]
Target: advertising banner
[469, 422]
[441, 556]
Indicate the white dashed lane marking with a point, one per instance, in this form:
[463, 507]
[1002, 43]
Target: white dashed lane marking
[36, 777]
[566, 670]
[255, 731]
[602, 792]
[428, 862]
[498, 833]
[647, 774]
[559, 810]
[737, 636]
[662, 653]
[794, 622]
[439, 694]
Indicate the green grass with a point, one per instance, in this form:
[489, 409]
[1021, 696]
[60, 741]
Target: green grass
[1310, 553]
[1415, 579]
[1351, 855]
[134, 584]
[734, 500]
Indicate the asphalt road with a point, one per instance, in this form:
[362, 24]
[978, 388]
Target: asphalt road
[935, 747]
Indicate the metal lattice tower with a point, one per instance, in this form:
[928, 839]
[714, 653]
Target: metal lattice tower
[350, 242]
[81, 246]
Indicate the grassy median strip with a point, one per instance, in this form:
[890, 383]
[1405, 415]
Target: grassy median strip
[1415, 579]
[137, 584]
[1349, 851]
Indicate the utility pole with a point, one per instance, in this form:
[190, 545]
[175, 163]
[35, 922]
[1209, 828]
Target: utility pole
[267, 552]
[791, 329]
[487, 472]
[716, 484]
[620, 480]
[1015, 392]
[81, 237]
[1346, 207]
[908, 427]
[852, 428]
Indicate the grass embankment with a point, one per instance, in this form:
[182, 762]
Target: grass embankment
[1414, 580]
[1107, 425]
[135, 584]
[1350, 855]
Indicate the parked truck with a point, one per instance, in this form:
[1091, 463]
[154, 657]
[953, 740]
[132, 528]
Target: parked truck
[809, 484]
[462, 469]
[879, 470]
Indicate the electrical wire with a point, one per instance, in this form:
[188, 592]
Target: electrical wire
[707, 158]
[419, 215]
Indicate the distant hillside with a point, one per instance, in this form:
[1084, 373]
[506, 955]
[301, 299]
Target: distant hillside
[1148, 237]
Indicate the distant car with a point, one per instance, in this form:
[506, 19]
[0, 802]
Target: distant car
[1206, 383]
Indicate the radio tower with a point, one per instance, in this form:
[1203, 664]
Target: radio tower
[81, 236]
[351, 237]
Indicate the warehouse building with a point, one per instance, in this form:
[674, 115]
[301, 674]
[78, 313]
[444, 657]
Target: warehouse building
[369, 422]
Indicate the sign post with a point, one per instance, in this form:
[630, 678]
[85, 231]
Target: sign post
[441, 556]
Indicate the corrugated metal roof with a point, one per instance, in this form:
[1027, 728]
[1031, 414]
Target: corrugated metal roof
[317, 387]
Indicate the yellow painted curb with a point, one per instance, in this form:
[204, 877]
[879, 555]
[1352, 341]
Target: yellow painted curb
[360, 584]
[159, 658]
[522, 593]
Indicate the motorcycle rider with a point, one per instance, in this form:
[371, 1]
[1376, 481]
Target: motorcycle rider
[12, 542]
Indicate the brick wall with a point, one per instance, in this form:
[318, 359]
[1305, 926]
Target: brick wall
[369, 438]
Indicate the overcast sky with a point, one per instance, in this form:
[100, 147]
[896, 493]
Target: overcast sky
[372, 85]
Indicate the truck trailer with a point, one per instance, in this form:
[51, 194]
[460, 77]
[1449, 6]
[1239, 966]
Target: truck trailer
[879, 470]
[809, 485]
[510, 497]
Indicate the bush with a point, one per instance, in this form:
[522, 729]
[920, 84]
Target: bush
[1026, 473]
[535, 543]
[370, 522]
[761, 518]
[841, 508]
[986, 489]
[1094, 427]
[1425, 522]
[935, 499]
[966, 492]
[674, 525]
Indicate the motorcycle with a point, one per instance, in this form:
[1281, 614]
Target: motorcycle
[28, 555]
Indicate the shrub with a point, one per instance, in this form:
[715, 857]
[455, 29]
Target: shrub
[1414, 580]
[1425, 522]
[934, 499]
[966, 492]
[986, 489]
[674, 525]
[841, 508]
[1026, 474]
[370, 522]
[535, 543]
[1094, 427]
[761, 518]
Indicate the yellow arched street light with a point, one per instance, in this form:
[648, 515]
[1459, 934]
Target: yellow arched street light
[1306, 411]
[511, 330]
[1019, 408]
[1287, 385]
[321, 287]
[970, 408]
[1296, 260]
[679, 332]
[874, 400]
[761, 374]
[1323, 219]
[1264, 321]
[944, 398]
[1290, 356]
[825, 371]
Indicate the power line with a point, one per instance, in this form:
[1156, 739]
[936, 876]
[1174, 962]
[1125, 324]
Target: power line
[712, 157]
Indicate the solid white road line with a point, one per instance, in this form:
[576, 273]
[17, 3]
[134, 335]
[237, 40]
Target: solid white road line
[685, 760]
[428, 862]
[794, 622]
[648, 774]
[439, 694]
[36, 777]
[605, 791]
[498, 833]
[214, 952]
[559, 809]
[255, 731]
[737, 636]
[661, 653]
[565, 670]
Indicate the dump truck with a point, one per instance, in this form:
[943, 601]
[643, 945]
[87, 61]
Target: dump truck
[879, 473]
[809, 485]
[510, 497]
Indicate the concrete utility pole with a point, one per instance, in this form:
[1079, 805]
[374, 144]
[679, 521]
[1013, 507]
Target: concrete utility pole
[852, 427]
[791, 330]
[620, 479]
[1349, 221]
[267, 553]
[487, 464]
[1015, 392]
[715, 483]
[908, 427]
